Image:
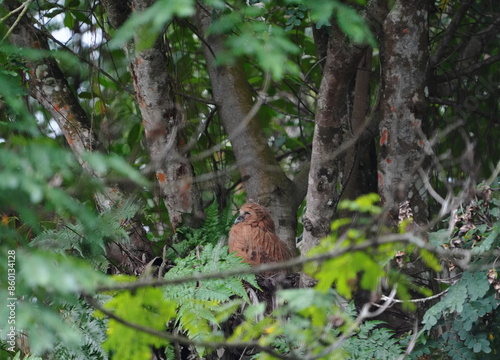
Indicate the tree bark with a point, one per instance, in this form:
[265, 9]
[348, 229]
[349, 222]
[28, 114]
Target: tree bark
[264, 180]
[332, 118]
[163, 124]
[361, 159]
[403, 108]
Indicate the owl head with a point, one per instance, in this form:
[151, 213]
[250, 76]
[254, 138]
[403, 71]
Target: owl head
[255, 215]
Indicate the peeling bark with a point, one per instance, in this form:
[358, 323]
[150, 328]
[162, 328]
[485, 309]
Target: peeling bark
[265, 182]
[403, 108]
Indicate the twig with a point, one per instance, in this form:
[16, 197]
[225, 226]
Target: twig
[365, 313]
[430, 189]
[21, 7]
[449, 32]
[494, 175]
[194, 98]
[412, 342]
[24, 7]
[392, 300]
[468, 70]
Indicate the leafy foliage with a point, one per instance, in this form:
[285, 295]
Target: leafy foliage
[47, 203]
[91, 328]
[146, 307]
[363, 268]
[212, 231]
[29, 357]
[194, 306]
[72, 238]
[469, 303]
[206, 303]
[372, 342]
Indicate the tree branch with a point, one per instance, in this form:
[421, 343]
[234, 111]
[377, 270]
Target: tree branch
[449, 33]
[454, 74]
[389, 299]
[184, 340]
[23, 8]
[461, 257]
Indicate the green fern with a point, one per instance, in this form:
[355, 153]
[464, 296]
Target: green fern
[91, 328]
[27, 357]
[215, 228]
[373, 343]
[199, 302]
[468, 302]
[77, 239]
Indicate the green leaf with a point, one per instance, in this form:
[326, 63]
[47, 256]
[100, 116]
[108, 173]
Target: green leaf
[354, 26]
[487, 243]
[56, 273]
[149, 23]
[365, 203]
[351, 264]
[476, 283]
[430, 260]
[69, 20]
[146, 307]
[104, 163]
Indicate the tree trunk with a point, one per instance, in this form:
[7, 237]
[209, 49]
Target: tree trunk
[163, 125]
[403, 109]
[361, 159]
[331, 117]
[332, 120]
[264, 180]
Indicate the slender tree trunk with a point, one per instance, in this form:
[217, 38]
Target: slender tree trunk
[264, 180]
[163, 124]
[403, 108]
[361, 159]
[325, 176]
[332, 121]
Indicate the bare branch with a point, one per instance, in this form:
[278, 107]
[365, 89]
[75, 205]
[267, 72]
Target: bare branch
[449, 32]
[389, 299]
[461, 257]
[454, 74]
[23, 8]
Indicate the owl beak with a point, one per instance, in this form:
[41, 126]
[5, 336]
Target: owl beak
[239, 219]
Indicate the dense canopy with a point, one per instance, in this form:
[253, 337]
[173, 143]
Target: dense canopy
[132, 131]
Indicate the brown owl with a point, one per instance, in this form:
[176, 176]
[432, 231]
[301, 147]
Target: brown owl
[252, 237]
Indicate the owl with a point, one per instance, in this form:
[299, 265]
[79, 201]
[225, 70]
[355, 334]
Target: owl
[253, 237]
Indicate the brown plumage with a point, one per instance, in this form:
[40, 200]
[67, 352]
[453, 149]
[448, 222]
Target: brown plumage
[254, 239]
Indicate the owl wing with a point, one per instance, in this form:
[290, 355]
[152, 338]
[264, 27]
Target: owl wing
[256, 245]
